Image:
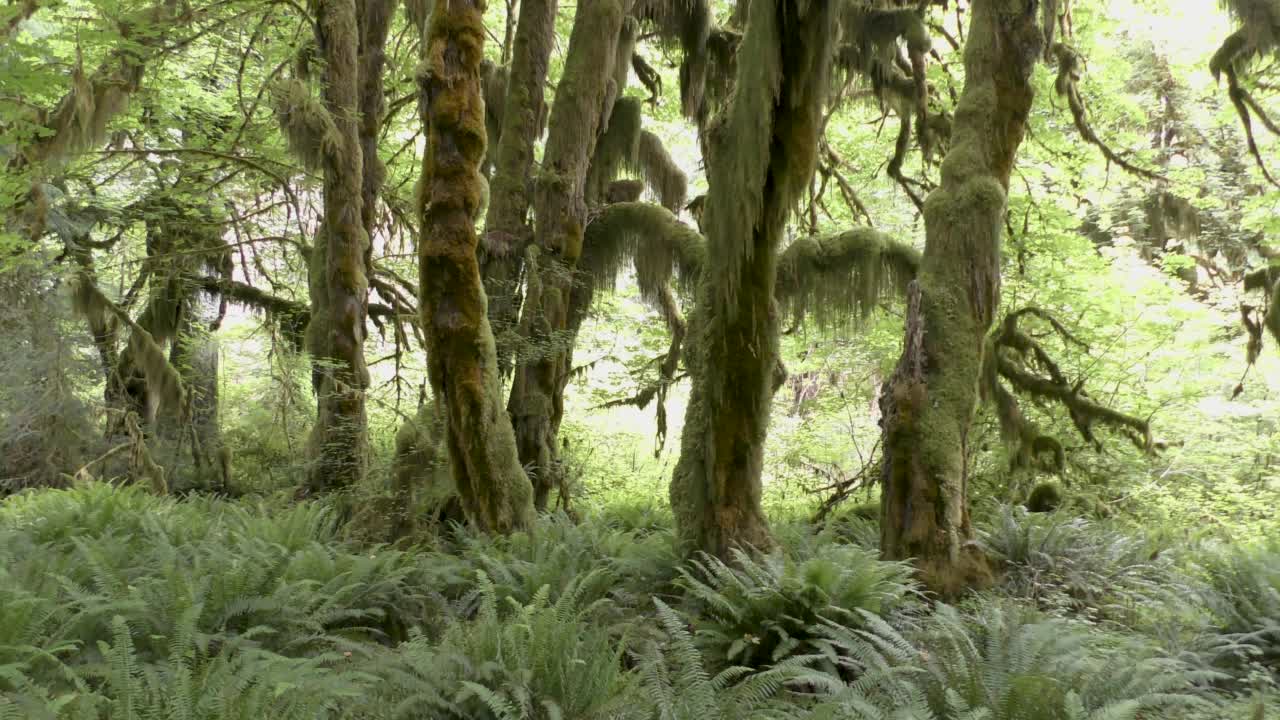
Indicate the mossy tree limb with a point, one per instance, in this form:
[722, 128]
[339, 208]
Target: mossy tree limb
[462, 359]
[844, 275]
[928, 404]
[762, 156]
[507, 228]
[1259, 34]
[583, 101]
[1021, 360]
[80, 118]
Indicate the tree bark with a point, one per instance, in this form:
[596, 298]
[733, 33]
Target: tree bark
[762, 156]
[929, 402]
[507, 228]
[582, 103]
[190, 438]
[375, 22]
[338, 281]
[462, 359]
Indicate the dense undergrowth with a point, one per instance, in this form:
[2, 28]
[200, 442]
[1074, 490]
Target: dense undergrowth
[117, 604]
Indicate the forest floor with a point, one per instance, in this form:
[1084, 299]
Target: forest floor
[118, 604]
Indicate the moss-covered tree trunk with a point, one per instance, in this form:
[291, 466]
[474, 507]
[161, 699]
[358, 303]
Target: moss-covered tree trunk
[375, 22]
[191, 448]
[762, 157]
[583, 97]
[929, 402]
[462, 359]
[338, 280]
[507, 229]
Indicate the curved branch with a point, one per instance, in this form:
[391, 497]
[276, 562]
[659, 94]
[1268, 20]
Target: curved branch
[1066, 87]
[1013, 355]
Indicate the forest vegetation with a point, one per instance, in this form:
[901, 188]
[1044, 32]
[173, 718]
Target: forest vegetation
[639, 359]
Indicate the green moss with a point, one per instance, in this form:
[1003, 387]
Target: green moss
[843, 276]
[461, 355]
[761, 154]
[307, 124]
[648, 235]
[1045, 497]
[661, 173]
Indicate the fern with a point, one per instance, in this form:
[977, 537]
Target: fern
[764, 610]
[1242, 591]
[521, 661]
[1074, 567]
[677, 684]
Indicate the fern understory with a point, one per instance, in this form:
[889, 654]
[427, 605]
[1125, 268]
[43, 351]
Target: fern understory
[116, 604]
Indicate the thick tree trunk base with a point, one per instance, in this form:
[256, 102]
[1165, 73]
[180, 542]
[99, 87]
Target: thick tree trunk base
[924, 514]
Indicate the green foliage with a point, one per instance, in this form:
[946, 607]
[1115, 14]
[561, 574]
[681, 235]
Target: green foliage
[1004, 662]
[126, 119]
[678, 684]
[1044, 497]
[119, 604]
[514, 661]
[594, 559]
[763, 610]
[1078, 568]
[1242, 591]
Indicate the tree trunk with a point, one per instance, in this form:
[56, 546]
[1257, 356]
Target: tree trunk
[762, 157]
[190, 444]
[929, 402]
[582, 102]
[375, 22]
[462, 359]
[338, 282]
[507, 228]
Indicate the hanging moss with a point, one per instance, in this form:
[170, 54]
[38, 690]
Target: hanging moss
[1260, 21]
[81, 118]
[308, 126]
[647, 235]
[870, 43]
[843, 276]
[686, 24]
[660, 172]
[618, 146]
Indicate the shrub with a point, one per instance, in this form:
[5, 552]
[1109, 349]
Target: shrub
[677, 684]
